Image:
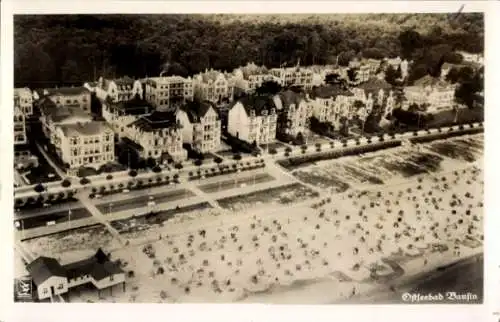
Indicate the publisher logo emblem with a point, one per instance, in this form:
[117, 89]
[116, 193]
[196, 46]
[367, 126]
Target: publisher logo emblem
[23, 290]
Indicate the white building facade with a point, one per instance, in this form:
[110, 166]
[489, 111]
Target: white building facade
[159, 135]
[118, 90]
[24, 99]
[212, 86]
[166, 92]
[201, 126]
[252, 124]
[88, 144]
[296, 76]
[19, 127]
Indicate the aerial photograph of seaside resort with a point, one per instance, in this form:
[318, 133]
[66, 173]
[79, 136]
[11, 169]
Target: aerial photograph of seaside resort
[231, 158]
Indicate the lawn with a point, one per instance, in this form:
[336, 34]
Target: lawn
[288, 194]
[465, 115]
[274, 145]
[232, 183]
[144, 222]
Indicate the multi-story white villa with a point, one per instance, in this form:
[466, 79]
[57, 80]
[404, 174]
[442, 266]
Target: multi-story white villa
[158, 136]
[168, 92]
[253, 119]
[24, 99]
[67, 97]
[89, 144]
[297, 76]
[433, 92]
[212, 86]
[332, 103]
[294, 110]
[120, 114]
[251, 77]
[201, 126]
[19, 126]
[374, 65]
[119, 89]
[378, 88]
[363, 73]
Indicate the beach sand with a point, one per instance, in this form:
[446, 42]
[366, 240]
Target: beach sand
[352, 246]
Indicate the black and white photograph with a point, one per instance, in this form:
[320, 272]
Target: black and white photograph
[326, 158]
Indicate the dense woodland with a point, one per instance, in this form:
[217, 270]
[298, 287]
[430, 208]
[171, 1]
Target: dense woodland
[71, 49]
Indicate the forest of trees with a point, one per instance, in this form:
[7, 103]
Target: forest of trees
[71, 49]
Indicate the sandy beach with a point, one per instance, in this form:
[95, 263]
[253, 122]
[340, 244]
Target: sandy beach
[348, 247]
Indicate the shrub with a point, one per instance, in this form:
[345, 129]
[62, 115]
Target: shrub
[84, 181]
[109, 177]
[132, 173]
[39, 188]
[156, 169]
[66, 183]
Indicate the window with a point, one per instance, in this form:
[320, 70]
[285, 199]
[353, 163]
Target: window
[45, 291]
[60, 286]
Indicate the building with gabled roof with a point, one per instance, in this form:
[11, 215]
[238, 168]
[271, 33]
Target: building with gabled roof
[212, 86]
[332, 103]
[294, 110]
[52, 116]
[432, 92]
[51, 278]
[118, 89]
[250, 77]
[377, 88]
[160, 136]
[89, 144]
[23, 98]
[294, 76]
[120, 114]
[201, 126]
[253, 119]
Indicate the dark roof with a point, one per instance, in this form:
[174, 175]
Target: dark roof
[132, 144]
[89, 128]
[428, 80]
[68, 91]
[58, 114]
[196, 110]
[134, 106]
[257, 103]
[156, 121]
[289, 97]
[44, 268]
[98, 266]
[374, 85]
[125, 80]
[330, 91]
